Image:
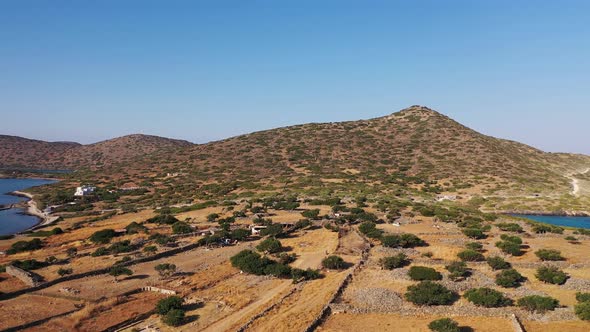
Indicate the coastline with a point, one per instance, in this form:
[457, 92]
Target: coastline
[45, 219]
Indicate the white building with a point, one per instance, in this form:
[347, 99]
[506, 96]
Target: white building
[84, 190]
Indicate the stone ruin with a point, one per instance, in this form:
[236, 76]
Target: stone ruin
[29, 278]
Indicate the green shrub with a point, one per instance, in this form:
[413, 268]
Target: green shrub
[470, 256]
[444, 325]
[430, 293]
[64, 271]
[487, 297]
[22, 246]
[29, 264]
[174, 317]
[582, 310]
[510, 227]
[273, 230]
[583, 297]
[509, 278]
[402, 241]
[498, 263]
[510, 248]
[311, 214]
[394, 262]
[134, 228]
[103, 236]
[333, 262]
[163, 219]
[277, 270]
[270, 245]
[474, 233]
[551, 275]
[458, 270]
[309, 274]
[101, 251]
[180, 227]
[121, 247]
[474, 246]
[239, 234]
[422, 273]
[250, 262]
[117, 270]
[511, 238]
[170, 303]
[536, 303]
[370, 230]
[165, 270]
[549, 255]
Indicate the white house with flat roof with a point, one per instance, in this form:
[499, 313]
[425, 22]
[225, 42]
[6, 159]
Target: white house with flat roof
[84, 191]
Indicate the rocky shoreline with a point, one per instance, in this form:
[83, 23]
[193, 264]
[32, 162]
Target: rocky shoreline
[32, 209]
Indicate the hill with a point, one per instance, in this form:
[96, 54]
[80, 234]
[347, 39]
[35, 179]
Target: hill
[21, 152]
[18, 152]
[417, 152]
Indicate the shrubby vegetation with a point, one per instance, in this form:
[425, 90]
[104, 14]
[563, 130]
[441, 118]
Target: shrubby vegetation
[551, 275]
[370, 230]
[430, 293]
[394, 262]
[470, 256]
[536, 303]
[103, 236]
[444, 325]
[549, 255]
[270, 246]
[458, 270]
[487, 297]
[22, 246]
[422, 273]
[251, 262]
[498, 263]
[170, 309]
[510, 227]
[402, 241]
[334, 263]
[510, 245]
[509, 278]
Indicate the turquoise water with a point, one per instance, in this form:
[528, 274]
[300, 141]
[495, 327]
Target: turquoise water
[13, 220]
[577, 222]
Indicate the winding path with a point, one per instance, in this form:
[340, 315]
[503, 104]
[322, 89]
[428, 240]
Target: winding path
[575, 182]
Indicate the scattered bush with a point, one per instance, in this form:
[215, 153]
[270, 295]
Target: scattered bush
[430, 293]
[170, 303]
[22, 246]
[498, 263]
[536, 303]
[103, 236]
[370, 230]
[394, 262]
[583, 297]
[458, 270]
[118, 270]
[270, 245]
[402, 241]
[582, 310]
[551, 275]
[174, 317]
[470, 256]
[180, 227]
[510, 227]
[134, 228]
[510, 248]
[487, 297]
[311, 214]
[422, 273]
[64, 271]
[28, 264]
[474, 233]
[309, 274]
[163, 219]
[509, 278]
[101, 251]
[474, 246]
[165, 270]
[444, 325]
[334, 263]
[273, 230]
[549, 255]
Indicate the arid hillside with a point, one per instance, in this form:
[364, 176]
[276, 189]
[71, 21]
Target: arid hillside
[20, 152]
[416, 146]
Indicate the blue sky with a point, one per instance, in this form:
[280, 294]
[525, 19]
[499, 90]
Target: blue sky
[205, 70]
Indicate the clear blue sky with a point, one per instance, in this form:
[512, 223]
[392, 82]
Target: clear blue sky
[205, 70]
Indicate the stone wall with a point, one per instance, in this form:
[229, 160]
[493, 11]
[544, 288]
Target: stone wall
[27, 277]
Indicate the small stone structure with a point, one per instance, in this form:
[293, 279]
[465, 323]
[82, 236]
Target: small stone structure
[27, 277]
[158, 290]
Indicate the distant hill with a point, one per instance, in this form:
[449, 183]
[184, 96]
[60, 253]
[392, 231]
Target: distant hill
[20, 152]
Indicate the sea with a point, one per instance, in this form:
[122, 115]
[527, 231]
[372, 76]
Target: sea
[577, 222]
[13, 220]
